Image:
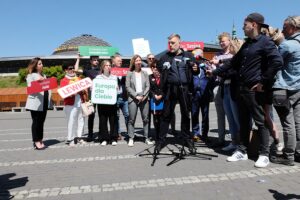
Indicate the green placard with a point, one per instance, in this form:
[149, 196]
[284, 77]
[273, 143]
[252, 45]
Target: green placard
[97, 51]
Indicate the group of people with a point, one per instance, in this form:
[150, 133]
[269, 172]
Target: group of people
[241, 79]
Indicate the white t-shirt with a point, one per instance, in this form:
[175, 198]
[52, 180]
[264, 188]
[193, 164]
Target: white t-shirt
[138, 83]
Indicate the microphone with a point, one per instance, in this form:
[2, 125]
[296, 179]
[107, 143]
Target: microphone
[177, 61]
[198, 57]
[166, 65]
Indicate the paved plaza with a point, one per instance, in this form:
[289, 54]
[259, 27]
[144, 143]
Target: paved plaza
[92, 171]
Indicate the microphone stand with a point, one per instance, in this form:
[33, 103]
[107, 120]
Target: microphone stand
[182, 154]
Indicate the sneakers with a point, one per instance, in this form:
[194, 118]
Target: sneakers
[230, 147]
[130, 143]
[282, 160]
[81, 141]
[72, 143]
[262, 161]
[148, 142]
[279, 146]
[237, 156]
[104, 143]
[114, 143]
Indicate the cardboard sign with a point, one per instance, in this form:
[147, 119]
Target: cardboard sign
[40, 86]
[74, 88]
[119, 71]
[189, 46]
[141, 47]
[104, 91]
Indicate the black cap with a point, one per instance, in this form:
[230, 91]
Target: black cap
[258, 18]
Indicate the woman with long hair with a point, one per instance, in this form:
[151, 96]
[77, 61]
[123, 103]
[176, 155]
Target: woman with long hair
[37, 103]
[107, 112]
[137, 86]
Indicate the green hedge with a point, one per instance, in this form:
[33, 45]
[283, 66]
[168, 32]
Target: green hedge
[52, 71]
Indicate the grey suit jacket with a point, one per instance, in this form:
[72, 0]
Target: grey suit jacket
[36, 101]
[131, 83]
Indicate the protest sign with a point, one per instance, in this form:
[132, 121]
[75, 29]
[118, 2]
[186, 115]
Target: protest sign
[119, 71]
[40, 86]
[97, 51]
[104, 91]
[141, 47]
[75, 87]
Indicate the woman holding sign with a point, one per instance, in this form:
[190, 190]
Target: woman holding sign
[37, 103]
[137, 86]
[107, 112]
[73, 108]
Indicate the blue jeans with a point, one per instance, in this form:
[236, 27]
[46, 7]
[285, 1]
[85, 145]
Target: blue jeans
[232, 113]
[198, 104]
[122, 105]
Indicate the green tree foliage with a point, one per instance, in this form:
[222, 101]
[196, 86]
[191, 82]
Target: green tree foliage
[52, 71]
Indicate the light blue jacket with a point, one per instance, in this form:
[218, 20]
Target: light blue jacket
[289, 76]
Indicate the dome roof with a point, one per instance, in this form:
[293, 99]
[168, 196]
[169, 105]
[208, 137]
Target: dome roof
[70, 47]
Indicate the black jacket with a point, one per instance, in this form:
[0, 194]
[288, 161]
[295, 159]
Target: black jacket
[168, 57]
[257, 61]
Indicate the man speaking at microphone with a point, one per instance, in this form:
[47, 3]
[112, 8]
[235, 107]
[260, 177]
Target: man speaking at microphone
[176, 83]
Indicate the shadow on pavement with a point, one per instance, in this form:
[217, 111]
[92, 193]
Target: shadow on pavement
[51, 142]
[279, 196]
[6, 184]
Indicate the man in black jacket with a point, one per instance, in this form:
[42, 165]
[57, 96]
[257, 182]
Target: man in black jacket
[257, 62]
[176, 81]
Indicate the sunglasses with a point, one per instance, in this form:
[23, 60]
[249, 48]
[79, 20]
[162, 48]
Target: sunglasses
[151, 58]
[70, 68]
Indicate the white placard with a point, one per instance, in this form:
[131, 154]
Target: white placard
[75, 87]
[141, 47]
[104, 91]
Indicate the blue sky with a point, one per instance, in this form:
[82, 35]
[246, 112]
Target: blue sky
[37, 27]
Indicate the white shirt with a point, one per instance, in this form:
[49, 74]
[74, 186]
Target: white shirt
[138, 83]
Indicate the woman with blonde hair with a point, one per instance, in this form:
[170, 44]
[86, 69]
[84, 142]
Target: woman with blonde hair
[137, 86]
[107, 112]
[227, 91]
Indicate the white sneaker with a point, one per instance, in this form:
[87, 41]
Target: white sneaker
[279, 146]
[72, 143]
[104, 143]
[130, 143]
[262, 161]
[230, 147]
[237, 156]
[81, 141]
[148, 142]
[114, 143]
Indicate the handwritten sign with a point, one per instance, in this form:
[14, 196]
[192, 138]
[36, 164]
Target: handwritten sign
[104, 91]
[75, 87]
[40, 86]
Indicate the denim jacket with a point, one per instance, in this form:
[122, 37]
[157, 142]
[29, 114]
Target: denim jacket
[289, 76]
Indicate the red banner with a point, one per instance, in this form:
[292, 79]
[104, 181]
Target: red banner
[40, 86]
[119, 71]
[189, 46]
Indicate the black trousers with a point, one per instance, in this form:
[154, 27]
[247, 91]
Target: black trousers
[107, 113]
[91, 118]
[251, 105]
[176, 94]
[37, 127]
